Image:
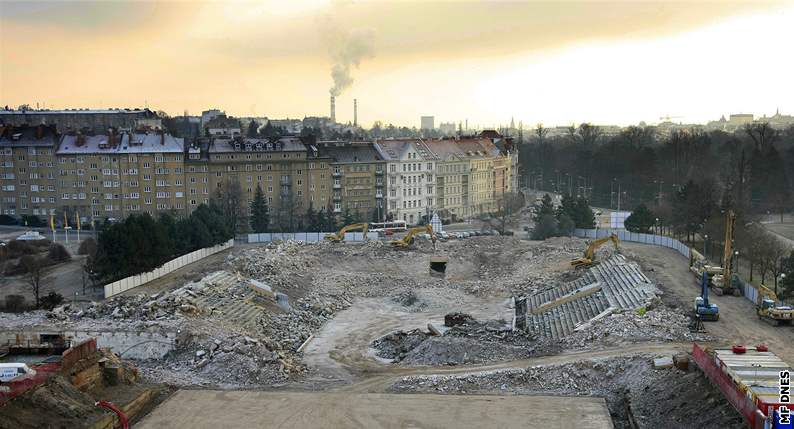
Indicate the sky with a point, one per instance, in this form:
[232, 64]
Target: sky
[553, 62]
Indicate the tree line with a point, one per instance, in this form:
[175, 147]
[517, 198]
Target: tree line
[141, 243]
[752, 169]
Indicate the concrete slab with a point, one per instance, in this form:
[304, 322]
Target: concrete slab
[197, 409]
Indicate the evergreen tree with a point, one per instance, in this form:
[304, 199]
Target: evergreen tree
[546, 208]
[252, 129]
[311, 219]
[347, 217]
[259, 213]
[641, 220]
[322, 221]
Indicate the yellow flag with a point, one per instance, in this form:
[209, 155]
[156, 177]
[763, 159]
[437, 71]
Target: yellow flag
[77, 219]
[52, 223]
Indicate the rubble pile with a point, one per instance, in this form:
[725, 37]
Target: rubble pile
[225, 361]
[468, 341]
[690, 401]
[659, 324]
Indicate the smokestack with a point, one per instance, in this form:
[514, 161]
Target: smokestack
[333, 109]
[355, 112]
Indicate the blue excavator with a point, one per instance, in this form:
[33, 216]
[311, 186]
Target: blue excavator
[703, 309]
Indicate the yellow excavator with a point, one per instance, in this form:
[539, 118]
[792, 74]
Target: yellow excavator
[340, 236]
[409, 237]
[769, 311]
[589, 254]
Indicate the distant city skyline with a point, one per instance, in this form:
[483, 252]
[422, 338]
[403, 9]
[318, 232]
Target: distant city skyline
[615, 63]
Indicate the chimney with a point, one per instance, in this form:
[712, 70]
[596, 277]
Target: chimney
[80, 139]
[333, 109]
[162, 138]
[111, 138]
[39, 132]
[355, 112]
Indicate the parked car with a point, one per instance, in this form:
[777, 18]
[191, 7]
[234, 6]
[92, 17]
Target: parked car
[10, 371]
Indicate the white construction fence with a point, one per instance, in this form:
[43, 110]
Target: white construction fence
[623, 235]
[749, 291]
[267, 237]
[128, 283]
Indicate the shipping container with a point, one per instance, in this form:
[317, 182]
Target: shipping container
[750, 381]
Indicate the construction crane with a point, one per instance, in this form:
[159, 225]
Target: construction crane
[340, 236]
[703, 308]
[589, 254]
[726, 283]
[769, 311]
[409, 237]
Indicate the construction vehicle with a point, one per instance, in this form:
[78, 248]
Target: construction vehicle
[340, 236]
[698, 264]
[705, 310]
[727, 282]
[589, 254]
[409, 237]
[769, 311]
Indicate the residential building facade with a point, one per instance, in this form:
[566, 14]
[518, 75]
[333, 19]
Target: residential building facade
[358, 178]
[411, 181]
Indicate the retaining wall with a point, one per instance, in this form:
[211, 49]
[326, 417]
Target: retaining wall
[134, 281]
[307, 236]
[132, 345]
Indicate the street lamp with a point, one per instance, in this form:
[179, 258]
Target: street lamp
[736, 254]
[705, 239]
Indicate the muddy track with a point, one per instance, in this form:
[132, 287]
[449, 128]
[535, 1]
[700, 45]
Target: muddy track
[381, 380]
[341, 359]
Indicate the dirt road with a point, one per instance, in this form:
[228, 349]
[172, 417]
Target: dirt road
[738, 322]
[211, 409]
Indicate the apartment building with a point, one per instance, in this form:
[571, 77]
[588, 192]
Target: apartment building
[28, 173]
[452, 179]
[411, 184]
[358, 178]
[114, 175]
[291, 175]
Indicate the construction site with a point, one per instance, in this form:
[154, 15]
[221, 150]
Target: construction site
[485, 331]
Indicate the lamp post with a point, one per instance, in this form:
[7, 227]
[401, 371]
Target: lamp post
[705, 239]
[736, 254]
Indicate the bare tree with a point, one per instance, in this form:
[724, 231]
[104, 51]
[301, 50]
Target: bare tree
[772, 252]
[763, 134]
[229, 197]
[589, 134]
[34, 266]
[507, 206]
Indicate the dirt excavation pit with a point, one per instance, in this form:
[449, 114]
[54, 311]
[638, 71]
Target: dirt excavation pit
[634, 390]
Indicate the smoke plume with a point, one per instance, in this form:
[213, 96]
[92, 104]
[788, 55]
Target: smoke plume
[347, 50]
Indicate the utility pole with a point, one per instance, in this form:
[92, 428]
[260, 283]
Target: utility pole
[618, 196]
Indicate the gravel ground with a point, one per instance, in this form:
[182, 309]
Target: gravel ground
[659, 398]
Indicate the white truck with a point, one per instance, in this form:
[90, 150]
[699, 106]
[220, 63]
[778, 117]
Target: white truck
[10, 371]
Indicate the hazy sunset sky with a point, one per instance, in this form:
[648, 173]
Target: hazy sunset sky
[552, 62]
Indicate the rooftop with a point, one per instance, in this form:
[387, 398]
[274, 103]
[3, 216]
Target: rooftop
[74, 111]
[347, 152]
[284, 144]
[394, 149]
[41, 135]
[120, 143]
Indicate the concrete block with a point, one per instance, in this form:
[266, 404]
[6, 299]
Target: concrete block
[663, 362]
